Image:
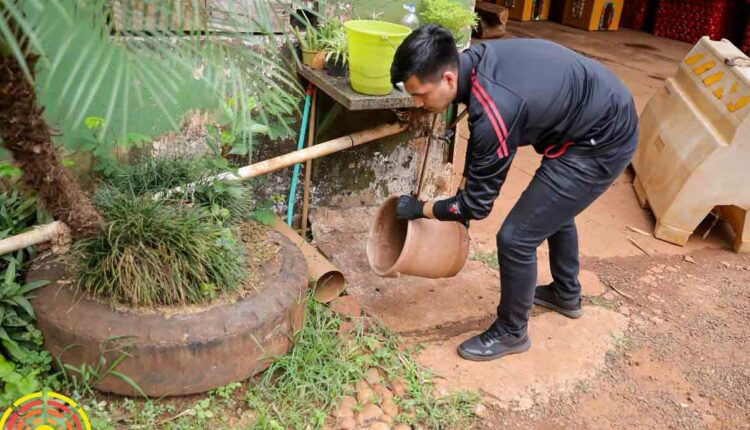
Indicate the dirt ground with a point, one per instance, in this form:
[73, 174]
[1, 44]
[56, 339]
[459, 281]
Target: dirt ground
[684, 362]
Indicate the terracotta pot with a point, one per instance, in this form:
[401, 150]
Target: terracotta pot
[319, 61]
[423, 247]
[307, 56]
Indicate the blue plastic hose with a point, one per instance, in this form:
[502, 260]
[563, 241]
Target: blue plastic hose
[300, 144]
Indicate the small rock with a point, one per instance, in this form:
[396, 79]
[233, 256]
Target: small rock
[347, 423]
[372, 376]
[662, 266]
[609, 295]
[688, 259]
[360, 420]
[379, 426]
[390, 408]
[371, 412]
[402, 426]
[726, 264]
[738, 267]
[387, 419]
[347, 306]
[656, 269]
[657, 320]
[362, 385]
[624, 310]
[398, 387]
[657, 311]
[383, 392]
[480, 410]
[344, 411]
[672, 269]
[345, 327]
[365, 396]
[348, 401]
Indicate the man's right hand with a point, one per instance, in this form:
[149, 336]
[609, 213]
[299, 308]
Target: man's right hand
[409, 208]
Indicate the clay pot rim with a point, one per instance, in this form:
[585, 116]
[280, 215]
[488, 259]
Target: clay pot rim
[407, 241]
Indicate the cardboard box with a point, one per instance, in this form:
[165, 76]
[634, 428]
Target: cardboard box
[527, 10]
[593, 14]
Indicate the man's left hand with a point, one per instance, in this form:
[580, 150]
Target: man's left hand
[409, 208]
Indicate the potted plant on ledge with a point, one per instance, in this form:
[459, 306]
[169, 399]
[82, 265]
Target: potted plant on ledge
[311, 45]
[337, 58]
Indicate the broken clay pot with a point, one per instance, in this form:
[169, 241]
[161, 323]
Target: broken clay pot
[423, 247]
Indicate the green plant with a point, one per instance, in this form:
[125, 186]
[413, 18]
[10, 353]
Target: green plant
[80, 380]
[15, 383]
[225, 200]
[311, 40]
[20, 338]
[128, 64]
[157, 252]
[450, 14]
[337, 46]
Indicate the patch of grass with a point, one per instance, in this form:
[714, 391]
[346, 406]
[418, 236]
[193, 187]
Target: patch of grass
[488, 258]
[300, 388]
[154, 252]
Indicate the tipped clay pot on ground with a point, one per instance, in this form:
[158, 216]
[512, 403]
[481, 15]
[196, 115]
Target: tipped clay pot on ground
[424, 247]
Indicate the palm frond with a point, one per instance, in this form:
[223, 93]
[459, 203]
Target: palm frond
[126, 60]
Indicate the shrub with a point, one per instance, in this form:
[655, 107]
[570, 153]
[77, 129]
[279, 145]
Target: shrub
[157, 252]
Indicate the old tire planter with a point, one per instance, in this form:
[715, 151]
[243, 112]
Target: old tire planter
[181, 351]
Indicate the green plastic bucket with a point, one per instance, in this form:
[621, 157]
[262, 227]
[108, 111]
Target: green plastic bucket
[372, 45]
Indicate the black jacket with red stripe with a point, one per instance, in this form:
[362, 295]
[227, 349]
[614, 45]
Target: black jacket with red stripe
[531, 92]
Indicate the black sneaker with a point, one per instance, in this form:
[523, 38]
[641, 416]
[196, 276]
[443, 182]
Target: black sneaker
[493, 343]
[546, 296]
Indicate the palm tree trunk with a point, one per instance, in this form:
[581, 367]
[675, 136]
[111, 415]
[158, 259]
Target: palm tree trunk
[26, 134]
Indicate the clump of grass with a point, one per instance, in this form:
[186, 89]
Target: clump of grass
[155, 174]
[300, 389]
[156, 252]
[226, 200]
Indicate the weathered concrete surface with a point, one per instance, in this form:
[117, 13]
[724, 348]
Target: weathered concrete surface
[563, 353]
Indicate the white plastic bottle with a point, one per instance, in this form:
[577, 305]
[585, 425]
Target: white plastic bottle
[410, 19]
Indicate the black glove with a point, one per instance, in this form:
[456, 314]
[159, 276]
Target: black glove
[409, 208]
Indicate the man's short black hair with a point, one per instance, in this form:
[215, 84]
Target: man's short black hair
[427, 52]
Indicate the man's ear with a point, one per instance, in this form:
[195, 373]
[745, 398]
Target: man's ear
[451, 78]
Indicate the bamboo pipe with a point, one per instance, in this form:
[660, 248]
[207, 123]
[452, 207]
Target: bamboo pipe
[47, 232]
[39, 234]
[317, 151]
[328, 281]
